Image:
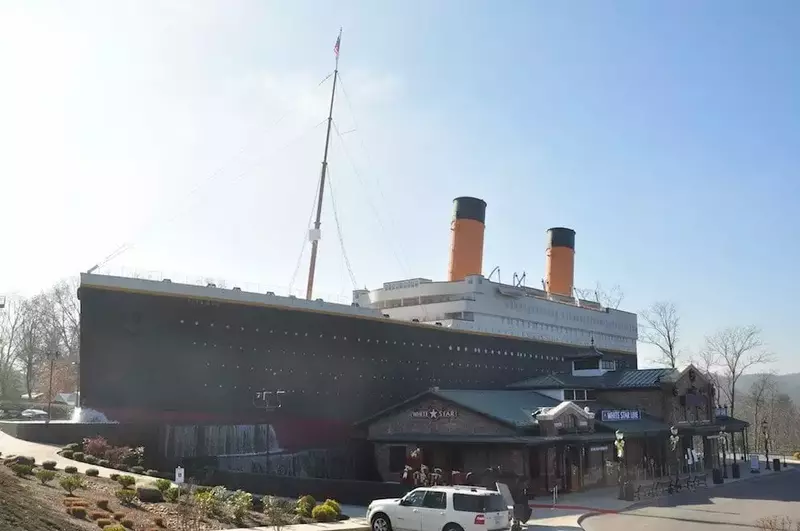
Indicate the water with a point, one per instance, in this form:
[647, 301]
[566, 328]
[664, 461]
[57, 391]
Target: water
[82, 415]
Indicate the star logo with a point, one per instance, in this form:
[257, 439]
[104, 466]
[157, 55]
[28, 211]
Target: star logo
[433, 414]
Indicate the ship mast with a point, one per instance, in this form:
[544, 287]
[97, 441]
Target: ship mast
[314, 234]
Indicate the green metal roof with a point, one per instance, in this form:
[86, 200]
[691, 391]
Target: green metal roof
[513, 407]
[629, 379]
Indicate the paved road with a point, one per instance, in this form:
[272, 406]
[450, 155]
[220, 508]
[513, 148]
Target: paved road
[735, 507]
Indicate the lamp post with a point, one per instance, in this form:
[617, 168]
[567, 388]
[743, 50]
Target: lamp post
[623, 472]
[673, 441]
[764, 428]
[723, 446]
[52, 355]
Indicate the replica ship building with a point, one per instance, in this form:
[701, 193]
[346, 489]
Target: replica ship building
[159, 351]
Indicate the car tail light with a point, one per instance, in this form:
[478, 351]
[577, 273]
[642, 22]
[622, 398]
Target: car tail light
[480, 519]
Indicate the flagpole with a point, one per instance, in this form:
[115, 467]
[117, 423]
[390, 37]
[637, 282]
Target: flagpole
[314, 234]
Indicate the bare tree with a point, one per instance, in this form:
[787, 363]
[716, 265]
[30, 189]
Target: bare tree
[31, 340]
[63, 316]
[10, 330]
[757, 401]
[611, 298]
[660, 329]
[731, 352]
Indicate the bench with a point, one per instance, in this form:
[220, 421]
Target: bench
[701, 479]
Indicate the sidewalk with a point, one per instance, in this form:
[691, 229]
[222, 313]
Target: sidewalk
[45, 452]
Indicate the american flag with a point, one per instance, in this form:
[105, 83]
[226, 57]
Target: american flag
[336, 46]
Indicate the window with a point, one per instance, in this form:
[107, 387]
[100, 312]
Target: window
[608, 365]
[591, 395]
[580, 394]
[470, 503]
[569, 394]
[583, 365]
[414, 498]
[397, 458]
[435, 500]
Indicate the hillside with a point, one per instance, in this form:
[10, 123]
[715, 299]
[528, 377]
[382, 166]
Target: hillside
[787, 383]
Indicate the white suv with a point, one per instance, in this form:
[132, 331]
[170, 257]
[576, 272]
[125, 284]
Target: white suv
[459, 508]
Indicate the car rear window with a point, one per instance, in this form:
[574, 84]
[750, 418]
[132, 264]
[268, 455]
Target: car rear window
[479, 503]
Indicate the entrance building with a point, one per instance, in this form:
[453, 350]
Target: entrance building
[558, 431]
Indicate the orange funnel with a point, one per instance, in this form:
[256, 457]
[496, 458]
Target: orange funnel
[560, 262]
[466, 245]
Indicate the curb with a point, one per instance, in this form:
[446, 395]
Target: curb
[588, 510]
[583, 517]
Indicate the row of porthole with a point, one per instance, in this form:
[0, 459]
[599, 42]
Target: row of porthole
[452, 365]
[355, 392]
[475, 350]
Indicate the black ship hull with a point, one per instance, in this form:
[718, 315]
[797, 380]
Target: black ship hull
[173, 359]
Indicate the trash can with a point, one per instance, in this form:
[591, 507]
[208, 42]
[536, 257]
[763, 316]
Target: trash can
[716, 476]
[735, 472]
[776, 465]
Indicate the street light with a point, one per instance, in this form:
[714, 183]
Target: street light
[723, 445]
[673, 441]
[51, 355]
[764, 428]
[620, 445]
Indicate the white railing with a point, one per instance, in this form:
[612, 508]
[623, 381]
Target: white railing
[220, 282]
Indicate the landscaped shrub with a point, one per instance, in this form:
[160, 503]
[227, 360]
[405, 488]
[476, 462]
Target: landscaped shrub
[72, 501]
[23, 460]
[126, 496]
[49, 465]
[137, 469]
[149, 495]
[202, 488]
[92, 472]
[96, 447]
[21, 470]
[127, 524]
[172, 494]
[103, 504]
[90, 459]
[96, 515]
[77, 512]
[305, 505]
[67, 454]
[70, 470]
[104, 523]
[126, 481]
[114, 477]
[71, 483]
[335, 505]
[206, 503]
[119, 516]
[74, 447]
[162, 484]
[104, 463]
[324, 513]
[114, 527]
[239, 504]
[45, 476]
[123, 467]
[79, 456]
[277, 511]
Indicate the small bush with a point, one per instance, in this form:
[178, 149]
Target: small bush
[103, 504]
[104, 463]
[79, 456]
[207, 503]
[45, 476]
[114, 477]
[114, 527]
[21, 470]
[123, 467]
[119, 516]
[163, 484]
[303, 509]
[70, 470]
[239, 504]
[71, 483]
[90, 460]
[149, 495]
[334, 505]
[126, 496]
[77, 512]
[324, 513]
[92, 472]
[137, 469]
[309, 500]
[104, 523]
[71, 501]
[23, 460]
[127, 524]
[96, 446]
[126, 481]
[96, 515]
[172, 494]
[277, 511]
[49, 465]
[74, 447]
[68, 454]
[153, 473]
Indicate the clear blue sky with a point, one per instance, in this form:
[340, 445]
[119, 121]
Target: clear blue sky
[667, 134]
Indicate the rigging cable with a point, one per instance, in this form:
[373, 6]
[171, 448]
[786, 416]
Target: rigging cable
[129, 245]
[218, 171]
[305, 237]
[341, 236]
